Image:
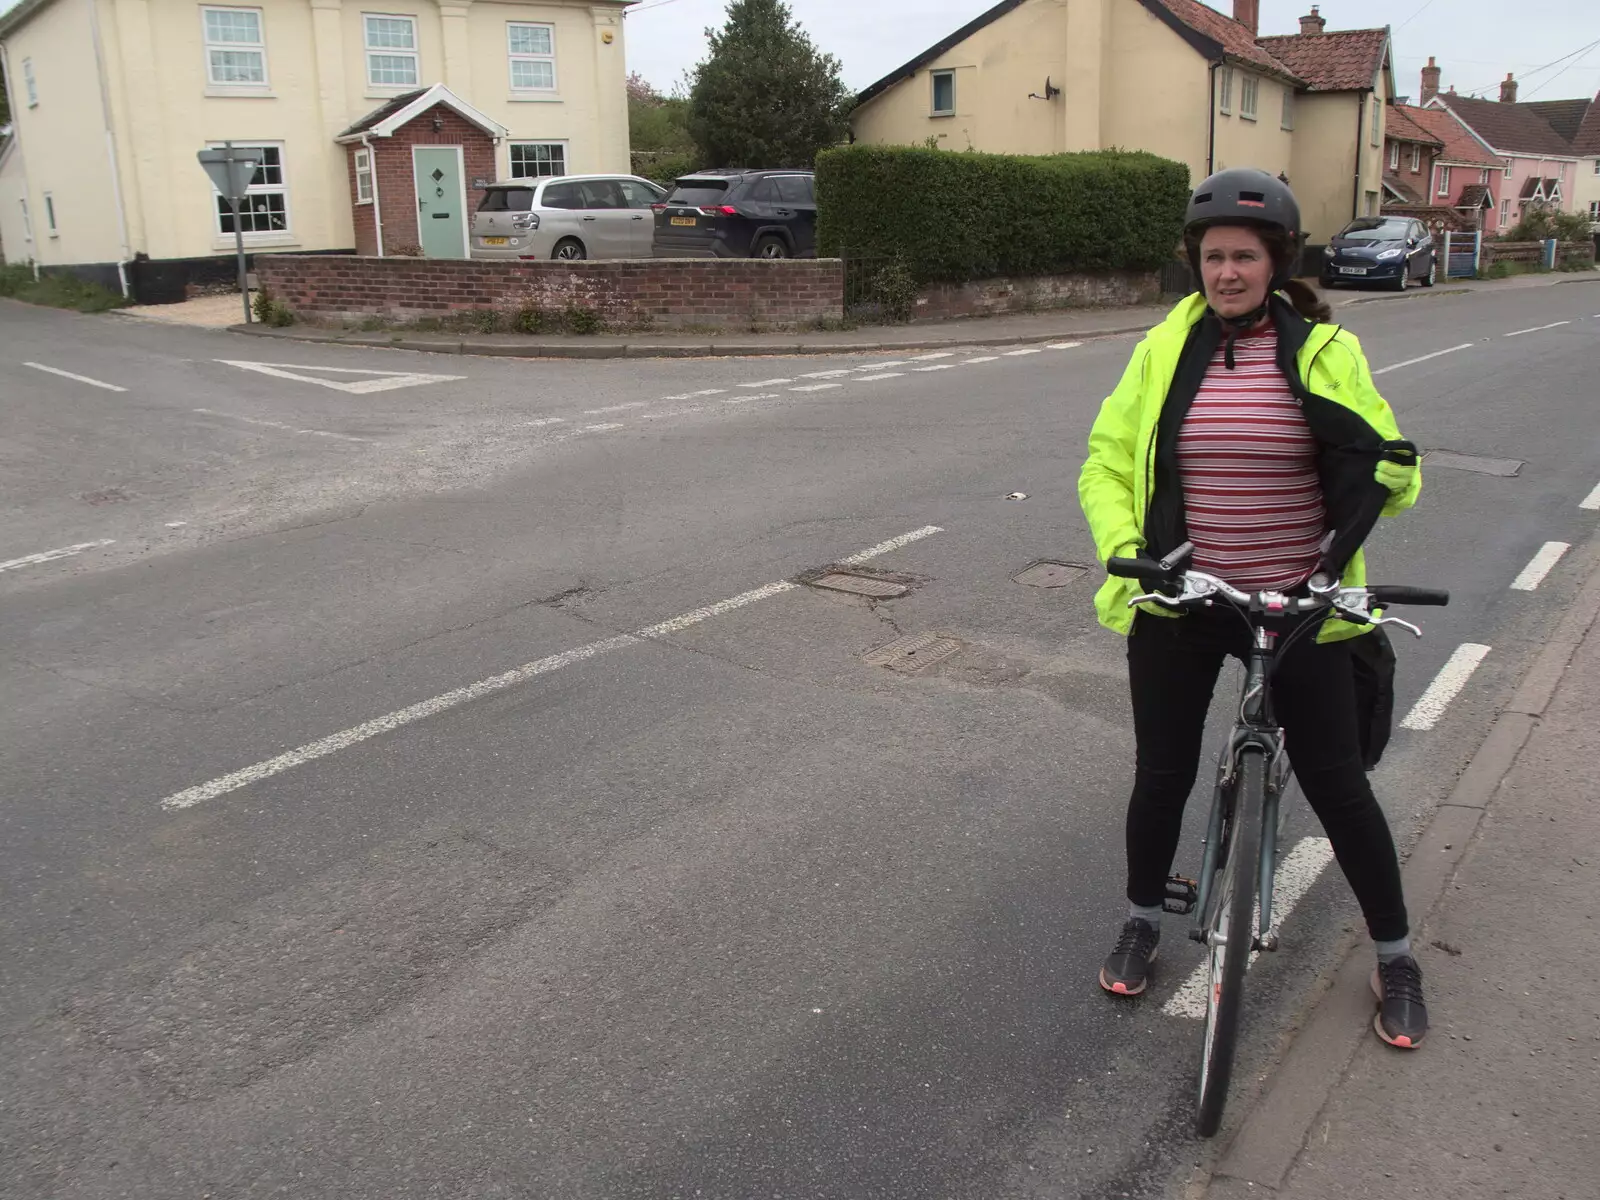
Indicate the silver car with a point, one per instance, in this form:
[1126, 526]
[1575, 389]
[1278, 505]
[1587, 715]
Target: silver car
[567, 217]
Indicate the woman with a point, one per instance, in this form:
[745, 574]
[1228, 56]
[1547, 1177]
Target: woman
[1248, 425]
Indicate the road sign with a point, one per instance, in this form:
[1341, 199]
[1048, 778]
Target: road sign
[231, 171]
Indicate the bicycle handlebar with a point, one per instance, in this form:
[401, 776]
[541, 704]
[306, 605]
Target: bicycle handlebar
[1386, 594]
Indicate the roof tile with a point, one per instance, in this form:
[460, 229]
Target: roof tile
[1509, 128]
[1236, 40]
[1460, 147]
[1399, 125]
[1345, 60]
[1587, 141]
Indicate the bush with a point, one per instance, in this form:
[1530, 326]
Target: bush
[57, 291]
[271, 311]
[894, 288]
[964, 215]
[1541, 222]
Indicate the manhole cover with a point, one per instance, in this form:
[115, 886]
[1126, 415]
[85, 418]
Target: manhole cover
[1506, 468]
[1050, 574]
[860, 585]
[914, 652]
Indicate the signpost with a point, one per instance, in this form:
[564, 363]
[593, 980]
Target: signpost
[231, 171]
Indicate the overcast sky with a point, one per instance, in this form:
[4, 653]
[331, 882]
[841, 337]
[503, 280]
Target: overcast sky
[1475, 41]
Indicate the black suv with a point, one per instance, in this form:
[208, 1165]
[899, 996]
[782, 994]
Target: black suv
[738, 214]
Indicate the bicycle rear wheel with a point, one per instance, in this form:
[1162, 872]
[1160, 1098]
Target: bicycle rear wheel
[1232, 933]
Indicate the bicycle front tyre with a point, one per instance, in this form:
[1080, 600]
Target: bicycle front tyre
[1232, 930]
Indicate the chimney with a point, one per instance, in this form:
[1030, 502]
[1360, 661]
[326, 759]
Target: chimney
[1313, 23]
[1248, 14]
[1430, 80]
[1508, 90]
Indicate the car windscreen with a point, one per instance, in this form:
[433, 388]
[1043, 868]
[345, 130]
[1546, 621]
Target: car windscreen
[698, 193]
[1375, 231]
[506, 200]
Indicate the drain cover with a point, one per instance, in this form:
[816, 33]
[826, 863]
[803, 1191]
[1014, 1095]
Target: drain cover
[861, 585]
[1506, 468]
[1050, 574]
[912, 653]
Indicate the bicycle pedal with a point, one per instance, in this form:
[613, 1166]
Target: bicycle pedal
[1182, 896]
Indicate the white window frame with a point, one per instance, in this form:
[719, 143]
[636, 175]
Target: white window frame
[1555, 196]
[1287, 120]
[1443, 174]
[286, 234]
[1377, 119]
[933, 93]
[511, 166]
[363, 172]
[29, 83]
[1416, 158]
[369, 51]
[50, 225]
[27, 220]
[1394, 157]
[1225, 92]
[1594, 210]
[1249, 96]
[1505, 211]
[1508, 169]
[514, 57]
[257, 47]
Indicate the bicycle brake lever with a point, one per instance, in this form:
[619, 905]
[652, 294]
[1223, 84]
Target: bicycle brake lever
[1406, 625]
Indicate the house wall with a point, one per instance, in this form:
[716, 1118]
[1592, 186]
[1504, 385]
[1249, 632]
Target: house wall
[62, 140]
[1262, 143]
[1528, 167]
[1586, 185]
[1157, 90]
[1324, 161]
[16, 246]
[395, 181]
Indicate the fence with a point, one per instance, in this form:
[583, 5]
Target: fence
[1462, 254]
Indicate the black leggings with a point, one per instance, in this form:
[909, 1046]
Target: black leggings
[1173, 663]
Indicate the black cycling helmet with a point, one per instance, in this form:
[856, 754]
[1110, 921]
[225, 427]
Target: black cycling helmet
[1244, 196]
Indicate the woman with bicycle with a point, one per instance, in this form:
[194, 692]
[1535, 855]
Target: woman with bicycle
[1249, 426]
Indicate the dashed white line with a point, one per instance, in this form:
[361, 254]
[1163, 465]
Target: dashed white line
[110, 387]
[1539, 566]
[771, 382]
[883, 366]
[603, 427]
[748, 399]
[1300, 868]
[816, 387]
[389, 722]
[1065, 345]
[934, 355]
[986, 358]
[1592, 500]
[695, 395]
[611, 408]
[937, 367]
[1020, 353]
[1411, 362]
[822, 374]
[542, 421]
[1446, 686]
[324, 433]
[44, 556]
[882, 375]
[1537, 328]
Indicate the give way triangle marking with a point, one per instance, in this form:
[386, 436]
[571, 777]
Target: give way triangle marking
[375, 381]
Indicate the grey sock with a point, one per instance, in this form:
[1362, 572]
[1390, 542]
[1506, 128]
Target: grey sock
[1152, 913]
[1389, 951]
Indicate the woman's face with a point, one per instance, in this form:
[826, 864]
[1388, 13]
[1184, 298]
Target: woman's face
[1235, 268]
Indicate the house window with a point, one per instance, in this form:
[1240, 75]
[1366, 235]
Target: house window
[391, 51]
[535, 160]
[1594, 210]
[1444, 180]
[1416, 159]
[1597, 166]
[1225, 91]
[50, 215]
[27, 221]
[1555, 192]
[1287, 120]
[944, 93]
[1394, 156]
[235, 50]
[1249, 89]
[29, 83]
[266, 201]
[1508, 169]
[1505, 212]
[363, 176]
[533, 56]
[1377, 119]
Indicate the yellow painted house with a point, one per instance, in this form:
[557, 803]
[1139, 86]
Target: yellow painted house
[112, 99]
[1173, 77]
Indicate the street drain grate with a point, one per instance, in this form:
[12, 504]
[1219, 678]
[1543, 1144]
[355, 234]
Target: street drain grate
[912, 653]
[861, 585]
[1049, 574]
[1505, 468]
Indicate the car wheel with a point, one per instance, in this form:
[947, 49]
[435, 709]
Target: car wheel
[1432, 277]
[1401, 280]
[770, 247]
[569, 250]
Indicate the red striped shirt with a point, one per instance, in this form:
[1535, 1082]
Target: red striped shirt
[1249, 469]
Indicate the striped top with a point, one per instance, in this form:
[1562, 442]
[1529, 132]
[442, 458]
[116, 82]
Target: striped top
[1249, 468]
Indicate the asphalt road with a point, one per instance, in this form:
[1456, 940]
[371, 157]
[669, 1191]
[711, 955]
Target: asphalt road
[695, 901]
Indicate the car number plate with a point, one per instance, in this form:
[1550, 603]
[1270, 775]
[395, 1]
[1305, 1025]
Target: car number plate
[488, 241]
[683, 221]
[1352, 270]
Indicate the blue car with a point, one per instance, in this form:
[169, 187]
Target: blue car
[1389, 251]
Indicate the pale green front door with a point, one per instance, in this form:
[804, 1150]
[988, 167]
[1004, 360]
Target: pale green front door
[441, 201]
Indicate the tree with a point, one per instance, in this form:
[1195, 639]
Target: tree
[765, 96]
[658, 132]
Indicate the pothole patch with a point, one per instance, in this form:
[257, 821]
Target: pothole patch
[106, 496]
[1047, 573]
[867, 582]
[912, 653]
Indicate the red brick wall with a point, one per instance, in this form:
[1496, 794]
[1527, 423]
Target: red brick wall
[988, 297]
[396, 187]
[728, 292]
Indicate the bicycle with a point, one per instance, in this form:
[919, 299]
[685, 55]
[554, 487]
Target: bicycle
[1253, 770]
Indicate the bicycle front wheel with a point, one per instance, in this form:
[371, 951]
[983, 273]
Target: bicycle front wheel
[1231, 934]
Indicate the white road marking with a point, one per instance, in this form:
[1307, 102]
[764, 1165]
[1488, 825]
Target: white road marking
[1020, 353]
[1537, 328]
[694, 395]
[110, 387]
[816, 387]
[1411, 362]
[986, 358]
[611, 408]
[544, 421]
[1065, 345]
[1539, 566]
[1446, 686]
[937, 367]
[774, 382]
[822, 374]
[325, 433]
[1592, 500]
[883, 366]
[883, 375]
[176, 524]
[748, 399]
[600, 428]
[44, 556]
[934, 355]
[375, 381]
[1299, 869]
[389, 722]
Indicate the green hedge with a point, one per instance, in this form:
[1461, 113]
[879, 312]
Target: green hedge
[959, 215]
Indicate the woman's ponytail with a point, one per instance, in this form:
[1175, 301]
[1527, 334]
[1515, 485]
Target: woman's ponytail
[1306, 301]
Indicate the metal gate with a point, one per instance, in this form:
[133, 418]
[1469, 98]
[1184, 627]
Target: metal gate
[1461, 254]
